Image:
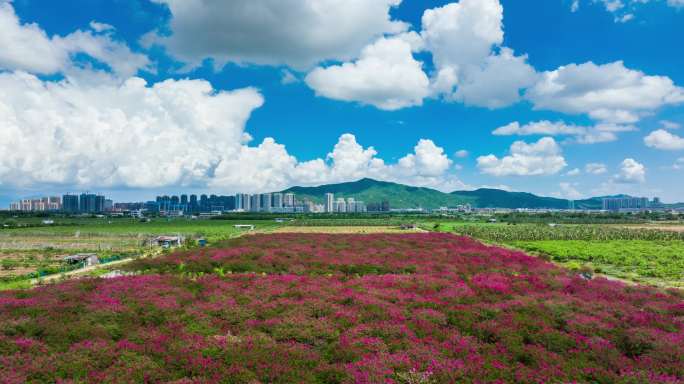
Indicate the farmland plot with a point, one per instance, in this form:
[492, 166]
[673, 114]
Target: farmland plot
[645, 254]
[326, 308]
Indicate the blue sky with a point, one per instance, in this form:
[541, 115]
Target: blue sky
[279, 95]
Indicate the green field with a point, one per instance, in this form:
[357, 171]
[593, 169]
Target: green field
[649, 256]
[638, 260]
[37, 250]
[506, 233]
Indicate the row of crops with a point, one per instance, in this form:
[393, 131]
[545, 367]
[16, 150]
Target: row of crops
[531, 232]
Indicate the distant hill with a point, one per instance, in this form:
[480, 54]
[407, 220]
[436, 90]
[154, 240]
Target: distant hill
[374, 191]
[491, 198]
[404, 196]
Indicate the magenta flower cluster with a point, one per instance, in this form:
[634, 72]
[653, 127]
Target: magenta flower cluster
[313, 308]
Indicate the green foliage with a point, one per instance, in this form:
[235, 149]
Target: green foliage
[626, 258]
[505, 233]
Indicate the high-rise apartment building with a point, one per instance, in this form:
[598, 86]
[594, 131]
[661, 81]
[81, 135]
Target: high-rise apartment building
[255, 203]
[340, 205]
[266, 202]
[289, 200]
[625, 203]
[330, 202]
[70, 203]
[278, 201]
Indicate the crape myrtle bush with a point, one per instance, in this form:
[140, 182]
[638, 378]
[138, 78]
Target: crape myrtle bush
[414, 308]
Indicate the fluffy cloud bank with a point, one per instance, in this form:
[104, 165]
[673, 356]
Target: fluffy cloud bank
[173, 133]
[378, 64]
[111, 134]
[298, 33]
[543, 157]
[27, 47]
[609, 93]
[470, 66]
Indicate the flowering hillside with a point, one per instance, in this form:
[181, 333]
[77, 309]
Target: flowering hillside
[285, 308]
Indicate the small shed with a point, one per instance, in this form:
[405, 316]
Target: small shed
[408, 226]
[249, 227]
[168, 241]
[87, 259]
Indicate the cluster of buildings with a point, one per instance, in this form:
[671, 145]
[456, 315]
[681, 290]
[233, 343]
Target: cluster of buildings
[83, 203]
[342, 205]
[48, 203]
[627, 204]
[277, 202]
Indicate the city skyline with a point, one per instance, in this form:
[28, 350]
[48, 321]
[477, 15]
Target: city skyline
[142, 98]
[289, 202]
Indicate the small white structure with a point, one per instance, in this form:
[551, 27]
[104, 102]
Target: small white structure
[88, 259]
[204, 215]
[249, 227]
[48, 222]
[168, 241]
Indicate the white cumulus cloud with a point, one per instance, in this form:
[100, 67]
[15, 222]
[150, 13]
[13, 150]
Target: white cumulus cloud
[497, 82]
[543, 157]
[631, 172]
[463, 33]
[610, 93]
[297, 33]
[27, 47]
[462, 38]
[662, 139]
[385, 76]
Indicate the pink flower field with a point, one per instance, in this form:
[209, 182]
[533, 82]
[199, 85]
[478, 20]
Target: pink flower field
[316, 308]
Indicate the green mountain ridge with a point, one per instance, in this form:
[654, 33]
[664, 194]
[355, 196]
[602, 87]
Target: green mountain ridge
[404, 196]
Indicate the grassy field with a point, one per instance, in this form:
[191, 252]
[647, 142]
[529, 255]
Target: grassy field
[39, 249]
[653, 262]
[644, 254]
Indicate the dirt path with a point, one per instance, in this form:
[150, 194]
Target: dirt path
[82, 271]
